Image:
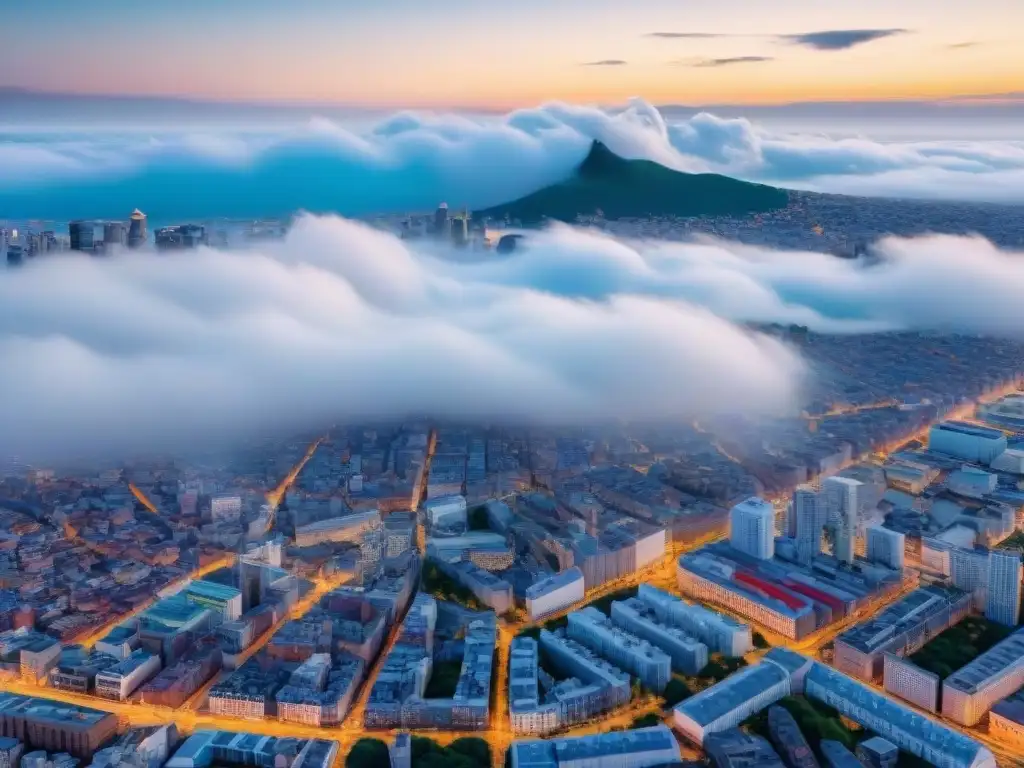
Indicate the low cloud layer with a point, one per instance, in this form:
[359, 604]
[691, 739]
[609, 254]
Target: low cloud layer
[146, 352]
[414, 161]
[935, 283]
[338, 321]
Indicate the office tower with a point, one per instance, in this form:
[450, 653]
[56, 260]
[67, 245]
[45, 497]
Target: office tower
[886, 547]
[82, 235]
[1003, 601]
[842, 504]
[807, 514]
[460, 229]
[137, 229]
[114, 234]
[442, 224]
[752, 528]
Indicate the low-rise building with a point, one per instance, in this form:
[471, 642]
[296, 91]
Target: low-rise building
[902, 677]
[973, 689]
[788, 739]
[595, 630]
[55, 726]
[554, 593]
[720, 633]
[688, 655]
[733, 748]
[640, 748]
[1006, 720]
[728, 703]
[120, 681]
[904, 727]
[902, 628]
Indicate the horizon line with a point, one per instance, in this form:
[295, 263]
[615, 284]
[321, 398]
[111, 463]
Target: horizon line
[968, 100]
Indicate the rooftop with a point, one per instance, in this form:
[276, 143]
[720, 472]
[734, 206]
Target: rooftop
[996, 663]
[902, 616]
[969, 429]
[561, 579]
[714, 702]
[940, 738]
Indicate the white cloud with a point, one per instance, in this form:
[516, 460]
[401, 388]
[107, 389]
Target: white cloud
[339, 321]
[414, 161]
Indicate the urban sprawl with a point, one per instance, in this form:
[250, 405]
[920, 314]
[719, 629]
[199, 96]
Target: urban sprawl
[840, 587]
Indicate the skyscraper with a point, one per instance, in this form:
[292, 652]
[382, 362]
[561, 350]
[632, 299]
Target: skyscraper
[842, 505]
[442, 224]
[1003, 601]
[752, 528]
[808, 519]
[82, 235]
[137, 229]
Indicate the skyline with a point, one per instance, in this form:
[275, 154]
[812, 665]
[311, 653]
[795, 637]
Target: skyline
[734, 51]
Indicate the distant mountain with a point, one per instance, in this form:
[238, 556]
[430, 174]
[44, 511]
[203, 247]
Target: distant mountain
[618, 187]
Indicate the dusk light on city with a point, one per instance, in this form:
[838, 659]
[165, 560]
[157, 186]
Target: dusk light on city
[551, 384]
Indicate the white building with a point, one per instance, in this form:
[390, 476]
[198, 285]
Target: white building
[752, 528]
[842, 507]
[905, 679]
[886, 547]
[730, 702]
[973, 689]
[720, 633]
[595, 630]
[979, 445]
[640, 748]
[809, 521]
[446, 511]
[554, 593]
[1002, 603]
[120, 681]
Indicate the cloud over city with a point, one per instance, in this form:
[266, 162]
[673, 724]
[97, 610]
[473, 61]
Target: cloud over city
[413, 161]
[339, 320]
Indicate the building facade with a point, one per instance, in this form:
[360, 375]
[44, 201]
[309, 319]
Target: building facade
[752, 528]
[1002, 601]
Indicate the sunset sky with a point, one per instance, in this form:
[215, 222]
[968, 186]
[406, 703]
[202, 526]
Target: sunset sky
[486, 53]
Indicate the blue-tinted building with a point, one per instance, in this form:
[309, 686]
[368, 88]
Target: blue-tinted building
[641, 748]
[908, 730]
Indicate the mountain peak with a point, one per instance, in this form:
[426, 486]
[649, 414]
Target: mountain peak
[601, 161]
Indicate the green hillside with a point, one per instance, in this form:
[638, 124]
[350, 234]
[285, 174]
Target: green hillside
[621, 188]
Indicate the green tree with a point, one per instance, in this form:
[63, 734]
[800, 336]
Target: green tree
[477, 750]
[759, 641]
[675, 692]
[368, 753]
[646, 721]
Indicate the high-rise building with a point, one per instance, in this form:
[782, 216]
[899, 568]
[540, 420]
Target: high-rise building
[115, 233]
[752, 528]
[886, 547]
[442, 224]
[1002, 603]
[82, 235]
[808, 522]
[842, 505]
[137, 229]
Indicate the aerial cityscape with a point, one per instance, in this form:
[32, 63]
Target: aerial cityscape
[608, 433]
